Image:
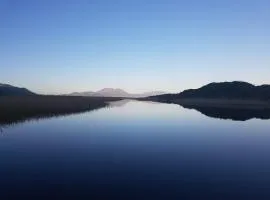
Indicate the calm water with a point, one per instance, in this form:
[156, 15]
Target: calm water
[136, 150]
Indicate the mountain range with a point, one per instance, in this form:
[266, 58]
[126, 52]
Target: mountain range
[236, 90]
[112, 92]
[9, 90]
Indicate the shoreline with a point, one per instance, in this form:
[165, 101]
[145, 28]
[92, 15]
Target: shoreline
[225, 103]
[19, 109]
[218, 103]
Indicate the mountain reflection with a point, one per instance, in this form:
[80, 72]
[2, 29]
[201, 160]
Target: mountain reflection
[236, 114]
[122, 103]
[12, 119]
[119, 103]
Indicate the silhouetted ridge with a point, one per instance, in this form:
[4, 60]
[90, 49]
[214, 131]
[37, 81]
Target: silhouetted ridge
[9, 90]
[224, 90]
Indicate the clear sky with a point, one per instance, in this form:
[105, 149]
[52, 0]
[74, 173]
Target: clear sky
[60, 46]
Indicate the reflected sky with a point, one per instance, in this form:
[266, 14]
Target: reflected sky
[139, 150]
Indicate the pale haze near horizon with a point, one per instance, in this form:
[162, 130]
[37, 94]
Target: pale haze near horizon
[56, 47]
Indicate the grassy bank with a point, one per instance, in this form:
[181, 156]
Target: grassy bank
[16, 109]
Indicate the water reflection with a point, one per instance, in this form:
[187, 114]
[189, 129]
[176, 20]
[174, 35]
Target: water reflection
[235, 114]
[137, 151]
[12, 119]
[122, 103]
[118, 103]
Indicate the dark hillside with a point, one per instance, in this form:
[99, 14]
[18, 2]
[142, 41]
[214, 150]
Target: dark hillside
[226, 90]
[9, 90]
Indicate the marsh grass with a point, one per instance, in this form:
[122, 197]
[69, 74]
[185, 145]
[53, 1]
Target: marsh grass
[18, 109]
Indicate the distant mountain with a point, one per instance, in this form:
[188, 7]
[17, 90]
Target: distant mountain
[81, 94]
[235, 90]
[9, 90]
[111, 92]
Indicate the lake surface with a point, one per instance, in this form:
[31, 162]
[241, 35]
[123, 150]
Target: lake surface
[136, 150]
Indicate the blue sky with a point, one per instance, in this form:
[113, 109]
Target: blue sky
[58, 46]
